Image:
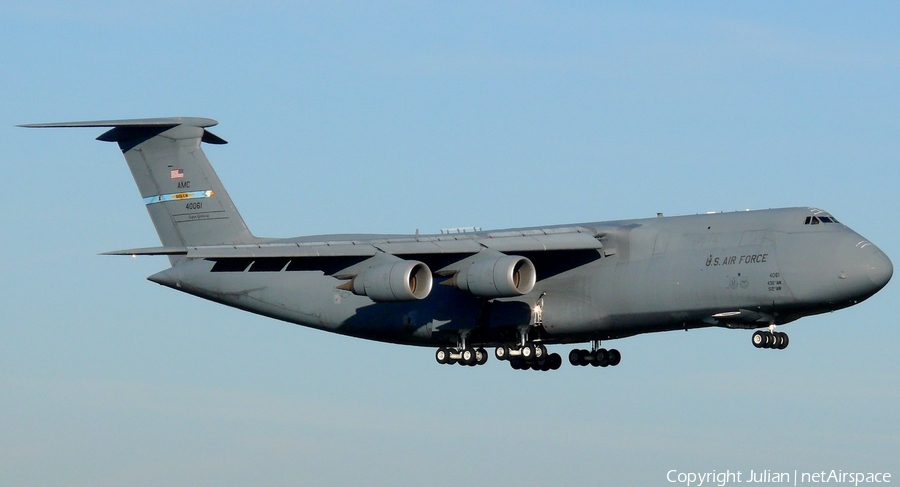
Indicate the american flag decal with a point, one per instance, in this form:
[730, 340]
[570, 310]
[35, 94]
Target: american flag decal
[177, 174]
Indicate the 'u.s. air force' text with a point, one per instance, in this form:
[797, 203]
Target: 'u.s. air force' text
[737, 259]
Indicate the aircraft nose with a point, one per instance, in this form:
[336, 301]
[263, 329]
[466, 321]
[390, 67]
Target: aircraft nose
[880, 268]
[866, 269]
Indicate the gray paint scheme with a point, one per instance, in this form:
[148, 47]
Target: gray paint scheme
[595, 281]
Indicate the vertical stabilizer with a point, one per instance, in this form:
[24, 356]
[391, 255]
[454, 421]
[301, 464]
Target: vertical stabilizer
[185, 198]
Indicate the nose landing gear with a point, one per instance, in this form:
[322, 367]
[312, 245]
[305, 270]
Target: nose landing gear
[770, 339]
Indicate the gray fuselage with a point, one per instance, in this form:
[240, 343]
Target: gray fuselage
[743, 269]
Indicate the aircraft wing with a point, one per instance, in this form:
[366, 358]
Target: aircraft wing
[511, 241]
[549, 250]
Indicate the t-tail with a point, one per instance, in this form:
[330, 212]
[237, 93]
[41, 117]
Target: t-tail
[185, 198]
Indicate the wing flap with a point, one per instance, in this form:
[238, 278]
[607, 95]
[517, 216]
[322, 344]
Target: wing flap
[280, 250]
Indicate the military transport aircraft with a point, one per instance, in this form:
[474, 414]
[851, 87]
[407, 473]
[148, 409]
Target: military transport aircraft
[517, 290]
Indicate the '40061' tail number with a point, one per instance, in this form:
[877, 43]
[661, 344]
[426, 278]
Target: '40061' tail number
[194, 206]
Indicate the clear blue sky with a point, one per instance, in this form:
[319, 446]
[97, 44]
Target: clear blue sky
[349, 117]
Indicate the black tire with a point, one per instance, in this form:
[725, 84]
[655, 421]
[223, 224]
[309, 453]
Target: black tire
[575, 357]
[442, 355]
[540, 351]
[468, 356]
[759, 341]
[602, 357]
[481, 356]
[614, 357]
[502, 352]
[528, 352]
[555, 361]
[784, 341]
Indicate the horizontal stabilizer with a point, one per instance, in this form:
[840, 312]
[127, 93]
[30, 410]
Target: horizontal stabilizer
[150, 251]
[138, 130]
[134, 122]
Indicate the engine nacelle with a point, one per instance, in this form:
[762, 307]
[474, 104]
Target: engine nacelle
[405, 280]
[498, 277]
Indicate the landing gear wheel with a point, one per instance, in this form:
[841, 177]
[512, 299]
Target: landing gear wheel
[481, 356]
[602, 356]
[540, 351]
[614, 357]
[542, 363]
[759, 339]
[575, 357]
[528, 351]
[442, 355]
[555, 361]
[784, 341]
[468, 356]
[502, 352]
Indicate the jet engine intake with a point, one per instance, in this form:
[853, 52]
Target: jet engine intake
[405, 280]
[498, 277]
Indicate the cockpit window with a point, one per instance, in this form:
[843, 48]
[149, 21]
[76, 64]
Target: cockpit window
[815, 220]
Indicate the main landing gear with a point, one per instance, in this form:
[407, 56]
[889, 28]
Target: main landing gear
[597, 357]
[529, 356]
[462, 354]
[770, 339]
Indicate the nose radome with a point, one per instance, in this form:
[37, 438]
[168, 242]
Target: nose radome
[880, 268]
